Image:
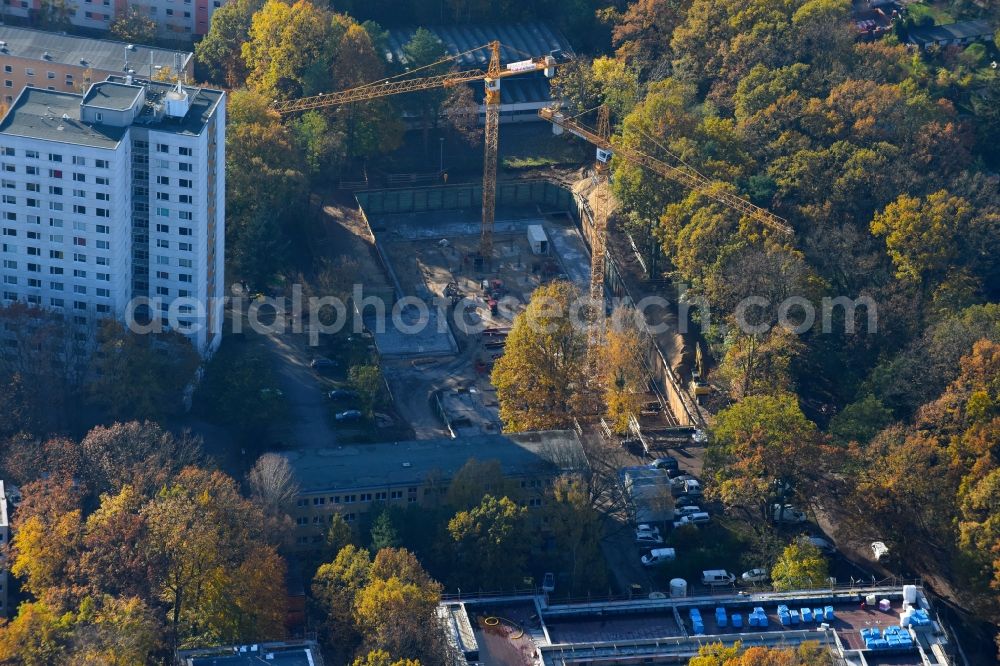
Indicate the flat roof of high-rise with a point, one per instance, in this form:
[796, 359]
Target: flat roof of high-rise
[55, 116]
[102, 54]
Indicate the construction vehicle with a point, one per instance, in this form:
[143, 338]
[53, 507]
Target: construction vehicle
[491, 79]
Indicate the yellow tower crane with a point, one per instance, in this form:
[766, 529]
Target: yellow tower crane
[679, 173]
[494, 73]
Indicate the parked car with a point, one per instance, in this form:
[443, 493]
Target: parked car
[666, 462]
[789, 515]
[691, 487]
[681, 511]
[648, 538]
[755, 576]
[342, 394]
[692, 519]
[646, 527]
[821, 543]
[349, 415]
[674, 473]
[321, 363]
[713, 577]
[685, 501]
[659, 556]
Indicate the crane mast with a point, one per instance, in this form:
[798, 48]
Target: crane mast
[491, 135]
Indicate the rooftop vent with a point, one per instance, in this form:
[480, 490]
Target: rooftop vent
[407, 465]
[47, 55]
[65, 116]
[3, 43]
[83, 61]
[131, 47]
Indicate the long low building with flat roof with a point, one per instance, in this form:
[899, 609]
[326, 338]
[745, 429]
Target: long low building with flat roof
[70, 63]
[350, 480]
[528, 630]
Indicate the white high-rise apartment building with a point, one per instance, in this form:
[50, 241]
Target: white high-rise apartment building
[116, 195]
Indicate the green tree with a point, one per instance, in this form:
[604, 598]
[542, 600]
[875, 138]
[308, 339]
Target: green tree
[220, 51]
[922, 236]
[213, 568]
[382, 658]
[368, 382]
[140, 376]
[395, 607]
[383, 533]
[760, 448]
[334, 587]
[490, 544]
[860, 421]
[540, 379]
[142, 455]
[422, 52]
[134, 26]
[801, 566]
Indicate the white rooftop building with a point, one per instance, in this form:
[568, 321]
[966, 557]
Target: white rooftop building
[115, 195]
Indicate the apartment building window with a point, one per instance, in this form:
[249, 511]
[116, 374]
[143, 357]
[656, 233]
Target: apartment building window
[163, 243]
[103, 245]
[184, 247]
[162, 148]
[103, 293]
[79, 241]
[184, 231]
[34, 235]
[186, 166]
[55, 238]
[101, 261]
[50, 75]
[102, 212]
[79, 161]
[184, 151]
[31, 203]
[31, 170]
[32, 298]
[55, 157]
[55, 270]
[184, 198]
[8, 184]
[162, 275]
[55, 173]
[9, 199]
[9, 232]
[397, 494]
[8, 151]
[8, 83]
[162, 180]
[184, 277]
[55, 254]
[55, 205]
[8, 68]
[81, 258]
[56, 302]
[162, 260]
[101, 164]
[33, 154]
[101, 180]
[80, 178]
[163, 228]
[162, 291]
[10, 168]
[56, 286]
[100, 307]
[163, 196]
[79, 289]
[184, 263]
[318, 501]
[80, 305]
[10, 279]
[55, 190]
[80, 193]
[185, 183]
[10, 263]
[366, 497]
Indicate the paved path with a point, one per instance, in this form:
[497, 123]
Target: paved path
[308, 420]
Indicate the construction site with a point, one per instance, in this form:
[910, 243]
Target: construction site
[428, 243]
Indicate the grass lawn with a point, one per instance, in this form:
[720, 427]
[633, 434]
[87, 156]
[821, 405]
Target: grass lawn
[935, 10]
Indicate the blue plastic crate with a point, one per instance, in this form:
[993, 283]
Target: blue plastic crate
[737, 621]
[828, 613]
[806, 614]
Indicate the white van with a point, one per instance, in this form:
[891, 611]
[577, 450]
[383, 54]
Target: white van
[659, 556]
[717, 577]
[692, 519]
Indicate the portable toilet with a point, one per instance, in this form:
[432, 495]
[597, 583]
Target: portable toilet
[910, 594]
[537, 239]
[678, 587]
